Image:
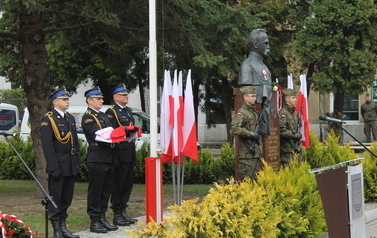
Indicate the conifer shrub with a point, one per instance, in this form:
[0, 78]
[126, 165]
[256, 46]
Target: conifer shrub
[370, 174]
[327, 153]
[284, 204]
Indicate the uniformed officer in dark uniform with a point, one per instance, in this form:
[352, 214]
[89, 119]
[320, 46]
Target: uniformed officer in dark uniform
[121, 115]
[100, 163]
[62, 152]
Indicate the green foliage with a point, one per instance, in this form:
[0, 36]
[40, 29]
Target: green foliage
[285, 204]
[339, 44]
[83, 173]
[327, 153]
[20, 98]
[11, 166]
[370, 174]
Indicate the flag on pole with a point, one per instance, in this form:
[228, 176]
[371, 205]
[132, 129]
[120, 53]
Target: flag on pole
[290, 82]
[190, 144]
[302, 109]
[177, 117]
[166, 128]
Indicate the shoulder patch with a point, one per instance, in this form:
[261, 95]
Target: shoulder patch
[88, 120]
[239, 113]
[44, 123]
[282, 115]
[110, 116]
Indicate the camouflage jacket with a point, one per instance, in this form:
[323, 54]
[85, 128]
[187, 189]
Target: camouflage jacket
[288, 130]
[243, 125]
[369, 111]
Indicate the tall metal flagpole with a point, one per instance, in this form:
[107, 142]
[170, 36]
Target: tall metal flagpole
[154, 196]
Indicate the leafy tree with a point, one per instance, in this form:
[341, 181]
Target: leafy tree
[338, 43]
[26, 26]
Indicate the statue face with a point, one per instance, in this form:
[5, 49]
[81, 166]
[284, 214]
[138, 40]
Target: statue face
[262, 45]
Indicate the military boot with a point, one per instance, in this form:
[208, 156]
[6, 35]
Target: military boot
[105, 223]
[57, 229]
[119, 219]
[96, 226]
[129, 219]
[66, 233]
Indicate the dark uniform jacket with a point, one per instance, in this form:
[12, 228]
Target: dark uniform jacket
[243, 125]
[62, 153]
[122, 117]
[92, 122]
[369, 111]
[288, 130]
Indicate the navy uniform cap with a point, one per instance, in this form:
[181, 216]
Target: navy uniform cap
[120, 89]
[93, 93]
[60, 93]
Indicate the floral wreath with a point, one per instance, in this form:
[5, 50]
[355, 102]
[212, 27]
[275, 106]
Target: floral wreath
[13, 227]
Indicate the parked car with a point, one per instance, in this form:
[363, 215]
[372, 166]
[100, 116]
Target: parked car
[9, 120]
[141, 119]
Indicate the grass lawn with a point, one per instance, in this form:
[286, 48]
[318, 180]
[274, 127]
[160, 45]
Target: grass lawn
[17, 198]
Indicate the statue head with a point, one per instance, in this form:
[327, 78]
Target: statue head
[258, 42]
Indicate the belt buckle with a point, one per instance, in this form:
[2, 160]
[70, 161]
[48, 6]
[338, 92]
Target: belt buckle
[73, 151]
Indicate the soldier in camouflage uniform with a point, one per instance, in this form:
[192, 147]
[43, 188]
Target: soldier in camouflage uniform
[369, 114]
[289, 132]
[243, 125]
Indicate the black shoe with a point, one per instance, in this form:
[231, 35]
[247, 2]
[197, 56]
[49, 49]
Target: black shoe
[106, 224]
[129, 219]
[96, 226]
[66, 233]
[120, 221]
[57, 229]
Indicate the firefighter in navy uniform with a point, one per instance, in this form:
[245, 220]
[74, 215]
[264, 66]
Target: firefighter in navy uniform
[62, 152]
[100, 163]
[121, 115]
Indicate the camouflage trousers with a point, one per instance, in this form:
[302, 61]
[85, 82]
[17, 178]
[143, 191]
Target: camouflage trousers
[370, 126]
[287, 157]
[248, 168]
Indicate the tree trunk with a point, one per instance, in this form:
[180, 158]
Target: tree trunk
[338, 102]
[36, 85]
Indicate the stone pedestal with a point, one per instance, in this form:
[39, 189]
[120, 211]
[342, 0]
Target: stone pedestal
[271, 143]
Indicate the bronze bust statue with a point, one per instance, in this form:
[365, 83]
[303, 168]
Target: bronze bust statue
[253, 71]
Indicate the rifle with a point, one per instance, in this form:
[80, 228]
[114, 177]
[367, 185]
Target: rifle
[298, 132]
[256, 131]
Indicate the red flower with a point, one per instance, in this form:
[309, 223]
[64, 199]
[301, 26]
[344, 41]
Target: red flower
[10, 232]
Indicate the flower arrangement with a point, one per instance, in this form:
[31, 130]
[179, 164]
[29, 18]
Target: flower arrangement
[276, 87]
[12, 227]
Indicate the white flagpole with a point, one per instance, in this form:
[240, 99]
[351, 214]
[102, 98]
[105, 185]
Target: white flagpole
[153, 103]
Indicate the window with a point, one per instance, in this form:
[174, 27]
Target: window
[351, 107]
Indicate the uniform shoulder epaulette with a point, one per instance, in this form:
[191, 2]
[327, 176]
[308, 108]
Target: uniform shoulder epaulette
[112, 106]
[88, 112]
[49, 113]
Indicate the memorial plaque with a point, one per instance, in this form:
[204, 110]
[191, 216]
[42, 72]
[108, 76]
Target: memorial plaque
[271, 143]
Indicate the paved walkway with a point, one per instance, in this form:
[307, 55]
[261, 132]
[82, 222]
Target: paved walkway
[120, 233]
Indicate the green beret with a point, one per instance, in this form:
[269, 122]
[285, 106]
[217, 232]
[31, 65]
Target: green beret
[289, 92]
[248, 90]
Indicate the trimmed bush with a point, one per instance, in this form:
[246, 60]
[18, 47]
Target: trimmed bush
[284, 204]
